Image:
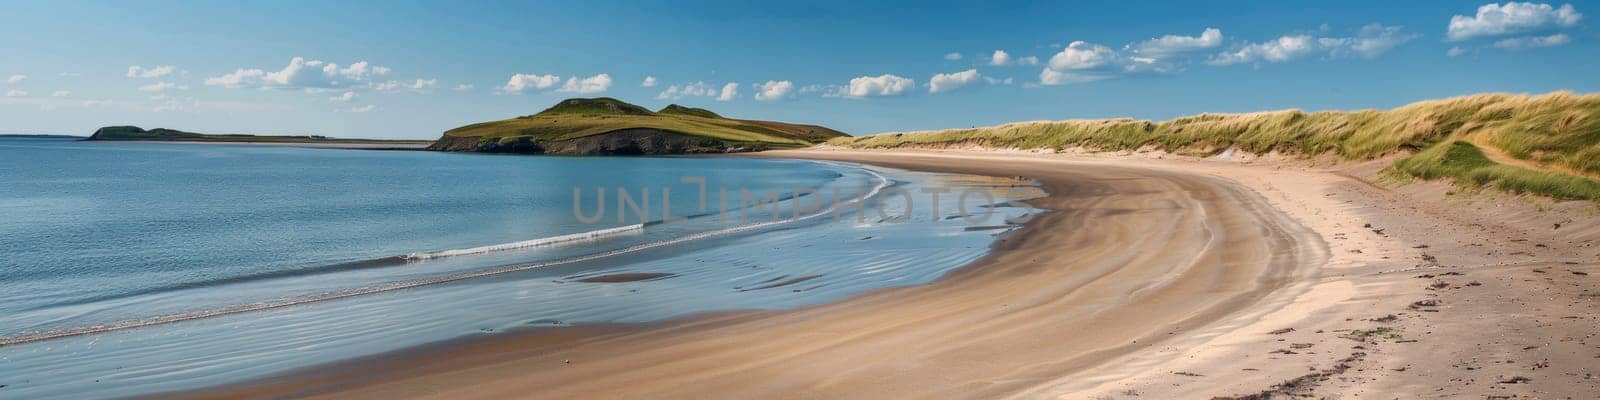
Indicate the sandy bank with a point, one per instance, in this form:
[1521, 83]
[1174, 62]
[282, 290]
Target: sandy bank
[1154, 278]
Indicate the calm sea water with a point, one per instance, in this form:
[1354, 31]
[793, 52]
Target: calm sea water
[143, 268]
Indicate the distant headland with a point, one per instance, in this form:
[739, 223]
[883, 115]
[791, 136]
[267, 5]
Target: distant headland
[607, 126]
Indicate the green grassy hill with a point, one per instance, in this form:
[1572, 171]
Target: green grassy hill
[574, 119]
[1545, 144]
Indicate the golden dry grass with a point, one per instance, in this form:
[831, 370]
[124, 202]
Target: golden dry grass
[1560, 130]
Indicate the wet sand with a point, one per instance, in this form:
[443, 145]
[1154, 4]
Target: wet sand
[1155, 278]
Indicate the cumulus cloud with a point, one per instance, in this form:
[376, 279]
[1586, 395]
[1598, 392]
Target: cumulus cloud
[1029, 60]
[1371, 41]
[774, 90]
[881, 85]
[1082, 55]
[1082, 61]
[523, 82]
[729, 91]
[463, 87]
[1285, 48]
[1533, 42]
[16, 93]
[15, 79]
[343, 98]
[300, 74]
[1455, 52]
[951, 81]
[952, 56]
[61, 93]
[70, 74]
[1512, 17]
[594, 84]
[419, 85]
[162, 87]
[999, 58]
[675, 92]
[649, 81]
[135, 71]
[997, 81]
[1170, 45]
[1051, 77]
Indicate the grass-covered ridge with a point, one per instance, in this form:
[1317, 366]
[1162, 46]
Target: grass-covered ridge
[1556, 134]
[577, 118]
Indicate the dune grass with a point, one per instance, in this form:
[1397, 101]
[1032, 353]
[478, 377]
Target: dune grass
[1469, 167]
[1559, 130]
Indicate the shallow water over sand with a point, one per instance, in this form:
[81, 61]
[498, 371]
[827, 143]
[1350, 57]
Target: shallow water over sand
[120, 235]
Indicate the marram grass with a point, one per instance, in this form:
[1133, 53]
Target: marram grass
[1558, 130]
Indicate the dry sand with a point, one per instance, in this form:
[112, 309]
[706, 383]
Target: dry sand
[1155, 278]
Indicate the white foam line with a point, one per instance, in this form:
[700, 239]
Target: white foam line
[553, 240]
[243, 308]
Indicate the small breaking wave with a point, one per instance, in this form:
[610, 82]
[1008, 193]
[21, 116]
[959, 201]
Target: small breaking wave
[540, 242]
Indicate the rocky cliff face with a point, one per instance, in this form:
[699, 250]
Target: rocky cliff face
[637, 141]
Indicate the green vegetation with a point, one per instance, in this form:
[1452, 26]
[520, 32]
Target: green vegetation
[1468, 166]
[577, 118]
[163, 134]
[1556, 136]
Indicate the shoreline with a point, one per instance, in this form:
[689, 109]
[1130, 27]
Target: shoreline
[1054, 313]
[1207, 267]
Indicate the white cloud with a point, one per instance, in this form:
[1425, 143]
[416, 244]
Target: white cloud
[463, 87]
[997, 81]
[952, 56]
[881, 85]
[774, 90]
[300, 73]
[675, 92]
[135, 71]
[951, 81]
[15, 79]
[343, 98]
[1082, 55]
[1170, 45]
[61, 93]
[16, 93]
[1285, 48]
[419, 85]
[594, 84]
[70, 74]
[1000, 57]
[162, 87]
[1533, 42]
[1053, 77]
[1512, 17]
[523, 82]
[1029, 60]
[359, 109]
[1081, 61]
[1371, 41]
[1455, 52]
[649, 81]
[729, 91]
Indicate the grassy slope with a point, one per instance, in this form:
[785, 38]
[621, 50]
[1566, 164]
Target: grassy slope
[1558, 131]
[584, 117]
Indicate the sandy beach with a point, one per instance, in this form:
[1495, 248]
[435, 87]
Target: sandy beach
[1154, 277]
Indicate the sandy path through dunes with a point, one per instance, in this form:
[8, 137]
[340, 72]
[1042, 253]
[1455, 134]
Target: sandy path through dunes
[1130, 258]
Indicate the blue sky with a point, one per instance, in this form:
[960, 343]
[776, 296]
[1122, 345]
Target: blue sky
[863, 68]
